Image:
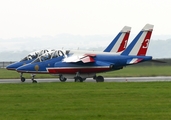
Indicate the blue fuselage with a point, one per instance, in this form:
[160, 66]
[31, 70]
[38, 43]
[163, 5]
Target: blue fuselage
[102, 63]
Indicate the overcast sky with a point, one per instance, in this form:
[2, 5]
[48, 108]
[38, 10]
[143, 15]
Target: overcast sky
[36, 18]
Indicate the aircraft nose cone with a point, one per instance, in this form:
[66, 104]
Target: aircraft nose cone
[8, 67]
[12, 66]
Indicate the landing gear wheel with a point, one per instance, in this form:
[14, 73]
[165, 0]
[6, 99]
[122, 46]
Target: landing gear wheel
[34, 81]
[62, 78]
[78, 79]
[23, 79]
[99, 79]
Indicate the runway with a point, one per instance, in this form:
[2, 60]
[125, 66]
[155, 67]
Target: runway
[116, 79]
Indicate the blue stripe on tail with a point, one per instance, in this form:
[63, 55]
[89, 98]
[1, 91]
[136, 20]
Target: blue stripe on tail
[111, 45]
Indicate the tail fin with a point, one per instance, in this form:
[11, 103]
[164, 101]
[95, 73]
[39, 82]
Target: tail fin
[119, 43]
[140, 43]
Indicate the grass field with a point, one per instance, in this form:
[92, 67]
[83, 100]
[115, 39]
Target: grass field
[127, 71]
[86, 101]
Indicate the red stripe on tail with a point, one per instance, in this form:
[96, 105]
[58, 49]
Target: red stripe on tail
[144, 46]
[124, 42]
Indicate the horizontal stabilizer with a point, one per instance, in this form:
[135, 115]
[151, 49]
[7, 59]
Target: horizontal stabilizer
[134, 61]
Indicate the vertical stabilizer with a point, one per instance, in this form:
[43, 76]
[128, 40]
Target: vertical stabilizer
[140, 43]
[119, 43]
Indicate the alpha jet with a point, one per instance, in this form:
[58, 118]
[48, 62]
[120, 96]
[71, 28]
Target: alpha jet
[48, 59]
[80, 65]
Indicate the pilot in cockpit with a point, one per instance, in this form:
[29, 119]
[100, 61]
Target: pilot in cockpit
[29, 57]
[45, 57]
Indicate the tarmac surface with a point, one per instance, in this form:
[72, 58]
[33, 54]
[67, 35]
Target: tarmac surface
[116, 79]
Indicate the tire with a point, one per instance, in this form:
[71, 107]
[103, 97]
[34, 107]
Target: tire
[62, 79]
[23, 79]
[99, 79]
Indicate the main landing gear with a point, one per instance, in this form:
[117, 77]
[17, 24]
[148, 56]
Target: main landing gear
[99, 79]
[80, 79]
[62, 78]
[77, 78]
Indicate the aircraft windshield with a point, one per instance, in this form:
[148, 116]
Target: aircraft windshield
[35, 54]
[31, 56]
[51, 54]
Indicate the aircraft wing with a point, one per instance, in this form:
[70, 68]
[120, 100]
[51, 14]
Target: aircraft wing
[85, 58]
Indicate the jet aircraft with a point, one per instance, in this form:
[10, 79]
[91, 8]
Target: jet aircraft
[80, 65]
[117, 45]
[28, 59]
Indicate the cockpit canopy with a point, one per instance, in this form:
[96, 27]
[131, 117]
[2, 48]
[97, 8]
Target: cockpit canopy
[35, 54]
[51, 54]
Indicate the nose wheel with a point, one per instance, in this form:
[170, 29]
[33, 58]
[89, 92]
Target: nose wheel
[33, 81]
[22, 78]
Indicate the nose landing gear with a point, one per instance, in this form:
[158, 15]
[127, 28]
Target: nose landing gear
[22, 78]
[32, 78]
